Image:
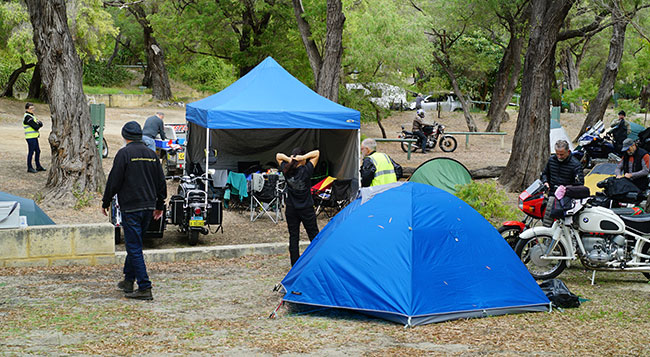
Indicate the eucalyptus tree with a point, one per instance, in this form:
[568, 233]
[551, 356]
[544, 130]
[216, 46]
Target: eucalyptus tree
[621, 14]
[156, 75]
[325, 60]
[530, 143]
[76, 165]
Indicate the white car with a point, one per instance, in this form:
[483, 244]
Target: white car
[448, 103]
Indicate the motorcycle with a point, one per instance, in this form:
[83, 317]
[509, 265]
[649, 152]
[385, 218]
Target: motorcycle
[191, 210]
[597, 236]
[594, 147]
[435, 135]
[533, 203]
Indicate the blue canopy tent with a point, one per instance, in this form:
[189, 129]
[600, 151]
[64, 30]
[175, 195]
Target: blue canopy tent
[28, 208]
[413, 254]
[269, 111]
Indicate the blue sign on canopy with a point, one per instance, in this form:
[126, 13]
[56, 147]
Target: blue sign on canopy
[269, 97]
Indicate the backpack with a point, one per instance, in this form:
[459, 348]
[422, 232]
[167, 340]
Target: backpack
[559, 294]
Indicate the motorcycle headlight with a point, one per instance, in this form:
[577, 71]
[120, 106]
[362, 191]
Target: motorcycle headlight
[584, 142]
[521, 205]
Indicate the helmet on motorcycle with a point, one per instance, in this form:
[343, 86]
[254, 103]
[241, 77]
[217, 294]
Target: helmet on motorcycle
[421, 113]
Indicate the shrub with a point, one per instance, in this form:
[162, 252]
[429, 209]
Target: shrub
[204, 73]
[630, 106]
[488, 200]
[97, 74]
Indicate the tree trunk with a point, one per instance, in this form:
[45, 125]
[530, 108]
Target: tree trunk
[378, 116]
[36, 90]
[569, 68]
[9, 89]
[471, 125]
[76, 164]
[326, 68]
[505, 83]
[598, 105]
[530, 145]
[116, 49]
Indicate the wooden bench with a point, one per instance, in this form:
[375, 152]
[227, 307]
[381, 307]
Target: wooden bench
[409, 141]
[468, 133]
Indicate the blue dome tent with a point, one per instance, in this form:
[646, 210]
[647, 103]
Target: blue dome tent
[413, 254]
[269, 111]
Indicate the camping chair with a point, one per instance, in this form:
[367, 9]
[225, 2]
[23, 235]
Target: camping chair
[236, 185]
[267, 196]
[335, 198]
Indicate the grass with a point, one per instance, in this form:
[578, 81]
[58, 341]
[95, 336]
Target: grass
[111, 90]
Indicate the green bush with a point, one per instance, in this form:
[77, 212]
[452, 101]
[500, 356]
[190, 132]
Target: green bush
[630, 106]
[98, 74]
[204, 73]
[488, 200]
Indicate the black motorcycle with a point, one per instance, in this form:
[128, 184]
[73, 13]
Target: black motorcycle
[192, 210]
[594, 147]
[435, 135]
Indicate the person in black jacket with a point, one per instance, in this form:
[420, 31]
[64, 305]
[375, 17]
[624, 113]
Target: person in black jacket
[635, 164]
[31, 125]
[562, 168]
[138, 181]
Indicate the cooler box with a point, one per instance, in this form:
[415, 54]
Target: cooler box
[9, 214]
[156, 229]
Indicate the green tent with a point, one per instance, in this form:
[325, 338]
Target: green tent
[635, 129]
[28, 208]
[443, 173]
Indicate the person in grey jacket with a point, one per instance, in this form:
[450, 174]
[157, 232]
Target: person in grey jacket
[153, 126]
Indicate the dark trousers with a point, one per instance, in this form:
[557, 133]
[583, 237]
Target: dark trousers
[35, 151]
[294, 217]
[134, 225]
[423, 140]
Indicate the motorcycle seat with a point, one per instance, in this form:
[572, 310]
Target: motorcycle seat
[407, 132]
[624, 211]
[640, 223]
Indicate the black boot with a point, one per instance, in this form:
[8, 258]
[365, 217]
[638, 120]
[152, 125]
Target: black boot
[140, 295]
[41, 168]
[30, 170]
[126, 286]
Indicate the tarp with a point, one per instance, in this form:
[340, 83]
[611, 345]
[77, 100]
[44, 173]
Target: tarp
[597, 174]
[557, 132]
[443, 173]
[269, 111]
[35, 215]
[413, 254]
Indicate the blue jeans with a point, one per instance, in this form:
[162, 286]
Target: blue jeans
[151, 143]
[134, 225]
[33, 150]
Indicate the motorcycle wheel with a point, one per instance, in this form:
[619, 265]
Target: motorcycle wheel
[165, 165]
[448, 143]
[105, 149]
[510, 234]
[646, 250]
[530, 251]
[405, 146]
[193, 237]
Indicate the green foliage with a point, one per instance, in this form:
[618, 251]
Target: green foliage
[92, 28]
[587, 90]
[114, 90]
[630, 106]
[204, 73]
[6, 68]
[84, 198]
[98, 74]
[488, 200]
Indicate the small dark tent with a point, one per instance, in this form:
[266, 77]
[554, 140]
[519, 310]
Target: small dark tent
[269, 111]
[442, 172]
[28, 208]
[413, 254]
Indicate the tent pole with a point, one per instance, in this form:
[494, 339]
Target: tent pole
[359, 158]
[207, 161]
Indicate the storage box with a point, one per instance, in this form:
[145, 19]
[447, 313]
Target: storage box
[9, 214]
[176, 206]
[156, 228]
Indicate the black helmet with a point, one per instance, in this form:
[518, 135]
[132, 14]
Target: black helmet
[622, 112]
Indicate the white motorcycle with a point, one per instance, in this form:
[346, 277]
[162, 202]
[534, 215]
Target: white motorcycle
[601, 239]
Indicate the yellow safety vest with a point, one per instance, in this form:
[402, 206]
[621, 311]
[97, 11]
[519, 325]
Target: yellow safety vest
[384, 170]
[30, 133]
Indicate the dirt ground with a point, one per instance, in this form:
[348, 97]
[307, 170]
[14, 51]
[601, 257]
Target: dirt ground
[221, 307]
[237, 229]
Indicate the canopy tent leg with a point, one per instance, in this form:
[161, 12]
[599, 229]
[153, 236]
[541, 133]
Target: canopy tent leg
[207, 161]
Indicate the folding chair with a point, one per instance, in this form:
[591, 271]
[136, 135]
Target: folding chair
[335, 198]
[267, 196]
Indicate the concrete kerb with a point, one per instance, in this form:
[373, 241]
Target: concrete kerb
[205, 253]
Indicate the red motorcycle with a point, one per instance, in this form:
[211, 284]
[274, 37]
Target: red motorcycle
[533, 204]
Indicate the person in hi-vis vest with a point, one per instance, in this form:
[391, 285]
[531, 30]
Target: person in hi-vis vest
[31, 126]
[377, 168]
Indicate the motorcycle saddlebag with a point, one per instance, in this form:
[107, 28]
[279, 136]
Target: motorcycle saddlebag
[215, 212]
[577, 191]
[156, 227]
[176, 206]
[559, 294]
